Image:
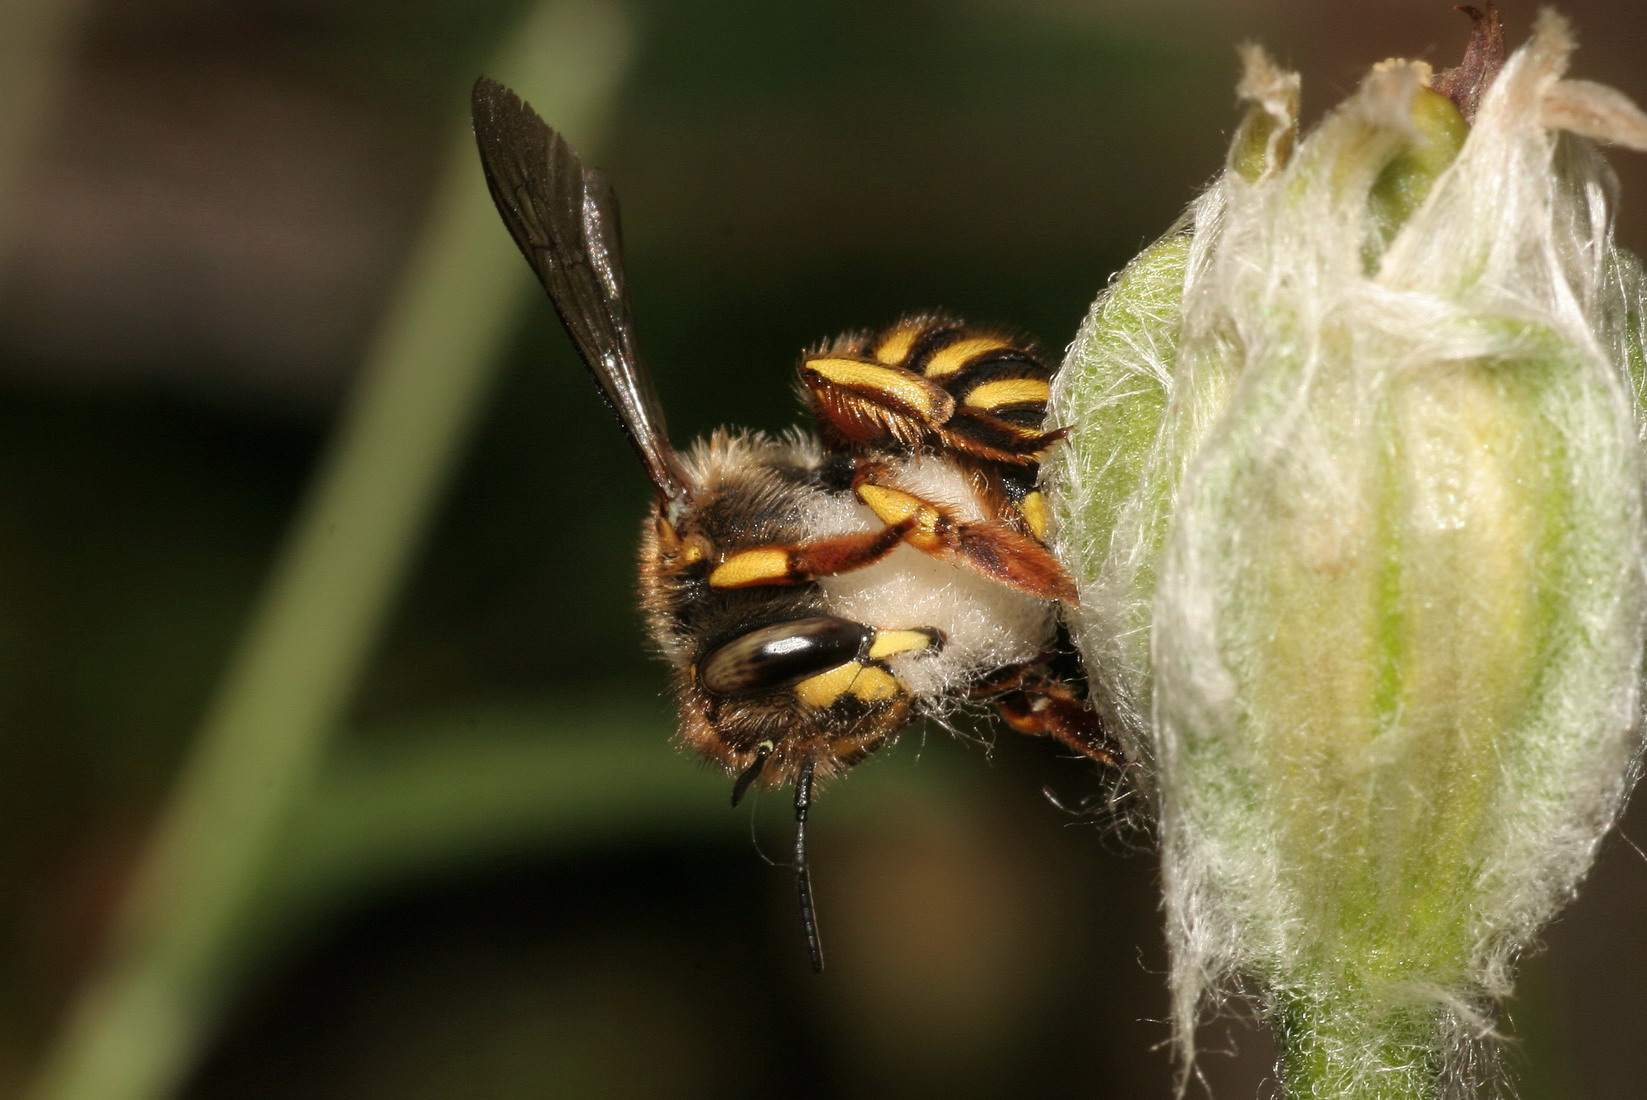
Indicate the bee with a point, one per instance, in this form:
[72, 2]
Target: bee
[815, 593]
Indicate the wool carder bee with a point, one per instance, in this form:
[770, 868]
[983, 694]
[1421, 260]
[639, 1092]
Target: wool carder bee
[815, 594]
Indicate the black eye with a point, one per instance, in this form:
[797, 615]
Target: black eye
[776, 656]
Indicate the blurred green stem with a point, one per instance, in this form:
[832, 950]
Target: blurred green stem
[439, 794]
[1326, 1047]
[37, 55]
[138, 1027]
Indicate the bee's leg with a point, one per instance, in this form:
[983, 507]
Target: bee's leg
[797, 563]
[997, 550]
[1036, 703]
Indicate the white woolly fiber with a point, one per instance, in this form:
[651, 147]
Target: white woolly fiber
[986, 625]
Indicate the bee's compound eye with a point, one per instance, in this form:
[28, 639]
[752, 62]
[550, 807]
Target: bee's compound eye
[780, 655]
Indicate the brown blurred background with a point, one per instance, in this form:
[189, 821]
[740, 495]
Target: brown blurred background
[206, 210]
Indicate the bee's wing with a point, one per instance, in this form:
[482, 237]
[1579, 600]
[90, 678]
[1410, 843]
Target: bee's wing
[565, 220]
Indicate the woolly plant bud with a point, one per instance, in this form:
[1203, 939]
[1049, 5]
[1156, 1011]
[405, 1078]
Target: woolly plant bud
[1355, 498]
[1137, 416]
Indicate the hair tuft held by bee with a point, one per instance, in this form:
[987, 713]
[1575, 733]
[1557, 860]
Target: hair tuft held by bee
[816, 592]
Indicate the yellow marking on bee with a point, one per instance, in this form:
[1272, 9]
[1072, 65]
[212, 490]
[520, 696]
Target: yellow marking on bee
[893, 348]
[890, 505]
[1034, 510]
[823, 689]
[888, 642]
[691, 551]
[925, 536]
[1008, 391]
[762, 565]
[894, 506]
[947, 361]
[874, 684]
[898, 385]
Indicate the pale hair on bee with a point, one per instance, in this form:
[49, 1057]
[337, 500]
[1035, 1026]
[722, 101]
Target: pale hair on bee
[816, 592]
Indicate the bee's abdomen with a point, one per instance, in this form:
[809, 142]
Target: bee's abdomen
[992, 390]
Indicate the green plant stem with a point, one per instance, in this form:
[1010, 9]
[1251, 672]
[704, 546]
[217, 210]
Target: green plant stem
[1327, 1047]
[36, 60]
[137, 1028]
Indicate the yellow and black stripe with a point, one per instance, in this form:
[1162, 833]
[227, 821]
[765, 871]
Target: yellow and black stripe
[977, 391]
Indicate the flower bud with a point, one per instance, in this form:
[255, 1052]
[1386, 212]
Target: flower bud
[1137, 414]
[1355, 498]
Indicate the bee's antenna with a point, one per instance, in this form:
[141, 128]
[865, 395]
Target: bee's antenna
[803, 875]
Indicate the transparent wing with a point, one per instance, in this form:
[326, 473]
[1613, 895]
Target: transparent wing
[564, 218]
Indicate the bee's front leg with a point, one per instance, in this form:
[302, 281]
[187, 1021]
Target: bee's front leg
[799, 562]
[997, 549]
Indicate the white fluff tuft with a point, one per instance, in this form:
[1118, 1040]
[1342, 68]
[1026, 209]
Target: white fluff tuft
[986, 625]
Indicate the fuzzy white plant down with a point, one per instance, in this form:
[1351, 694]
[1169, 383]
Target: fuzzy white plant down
[1357, 511]
[1134, 429]
[986, 625]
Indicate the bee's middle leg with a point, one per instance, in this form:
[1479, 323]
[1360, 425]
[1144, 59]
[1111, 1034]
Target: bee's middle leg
[1034, 701]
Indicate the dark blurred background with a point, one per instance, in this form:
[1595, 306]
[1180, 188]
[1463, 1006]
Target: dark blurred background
[207, 209]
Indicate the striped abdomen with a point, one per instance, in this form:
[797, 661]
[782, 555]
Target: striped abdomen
[932, 381]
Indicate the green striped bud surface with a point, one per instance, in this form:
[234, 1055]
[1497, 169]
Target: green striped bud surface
[1355, 499]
